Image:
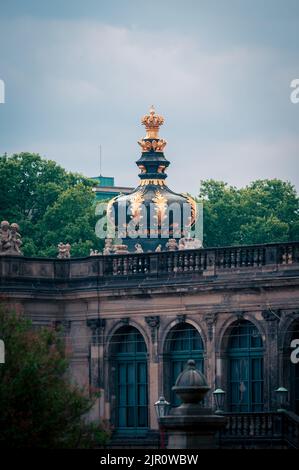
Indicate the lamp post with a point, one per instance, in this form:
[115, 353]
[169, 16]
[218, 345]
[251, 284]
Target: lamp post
[282, 394]
[162, 407]
[219, 395]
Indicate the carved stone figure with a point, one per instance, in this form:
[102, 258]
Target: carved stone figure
[189, 244]
[5, 236]
[108, 249]
[182, 244]
[197, 243]
[94, 252]
[158, 249]
[138, 248]
[64, 250]
[15, 237]
[171, 245]
[10, 239]
[121, 249]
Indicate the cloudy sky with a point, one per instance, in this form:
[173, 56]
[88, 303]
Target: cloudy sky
[81, 73]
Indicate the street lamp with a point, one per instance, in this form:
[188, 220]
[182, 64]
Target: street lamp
[282, 394]
[162, 407]
[219, 395]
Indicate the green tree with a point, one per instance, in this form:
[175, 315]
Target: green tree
[39, 406]
[50, 204]
[264, 211]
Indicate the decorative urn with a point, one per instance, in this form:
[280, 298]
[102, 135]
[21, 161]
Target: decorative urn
[191, 385]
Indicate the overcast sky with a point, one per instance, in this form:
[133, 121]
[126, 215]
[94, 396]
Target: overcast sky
[81, 73]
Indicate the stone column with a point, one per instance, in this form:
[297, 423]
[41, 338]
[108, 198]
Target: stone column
[153, 373]
[210, 356]
[272, 318]
[96, 362]
[80, 357]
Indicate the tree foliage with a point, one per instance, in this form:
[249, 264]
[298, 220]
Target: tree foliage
[264, 211]
[50, 204]
[39, 406]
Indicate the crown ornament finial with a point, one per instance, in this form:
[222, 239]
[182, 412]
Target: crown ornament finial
[152, 123]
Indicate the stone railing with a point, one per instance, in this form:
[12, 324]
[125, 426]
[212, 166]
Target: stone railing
[199, 262]
[290, 429]
[261, 429]
[211, 260]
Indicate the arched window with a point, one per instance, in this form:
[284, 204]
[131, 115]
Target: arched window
[182, 343]
[245, 368]
[129, 360]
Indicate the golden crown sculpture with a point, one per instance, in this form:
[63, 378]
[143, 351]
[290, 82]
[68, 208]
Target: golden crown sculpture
[152, 123]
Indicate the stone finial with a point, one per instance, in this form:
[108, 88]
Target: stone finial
[172, 245]
[191, 384]
[121, 249]
[94, 252]
[186, 243]
[138, 248]
[64, 250]
[10, 239]
[108, 248]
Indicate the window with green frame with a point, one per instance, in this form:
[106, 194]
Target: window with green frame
[183, 343]
[131, 387]
[245, 368]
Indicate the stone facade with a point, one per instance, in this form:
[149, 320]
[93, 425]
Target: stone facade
[210, 289]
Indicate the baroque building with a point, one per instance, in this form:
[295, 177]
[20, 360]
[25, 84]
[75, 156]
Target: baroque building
[131, 321]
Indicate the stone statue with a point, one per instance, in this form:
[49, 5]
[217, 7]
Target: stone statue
[15, 237]
[108, 249]
[120, 249]
[10, 239]
[182, 244]
[189, 243]
[94, 252]
[197, 243]
[138, 248]
[5, 236]
[64, 250]
[171, 245]
[158, 249]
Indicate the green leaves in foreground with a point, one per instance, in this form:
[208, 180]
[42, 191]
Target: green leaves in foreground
[39, 406]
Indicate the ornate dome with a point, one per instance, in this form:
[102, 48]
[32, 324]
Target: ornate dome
[152, 217]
